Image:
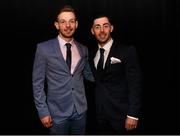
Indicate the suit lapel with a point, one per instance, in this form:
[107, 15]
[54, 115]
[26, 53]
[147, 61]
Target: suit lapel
[58, 52]
[93, 54]
[81, 53]
[111, 53]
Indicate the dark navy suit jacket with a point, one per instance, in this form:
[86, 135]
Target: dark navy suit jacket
[119, 86]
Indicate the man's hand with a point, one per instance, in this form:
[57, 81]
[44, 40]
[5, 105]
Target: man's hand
[130, 123]
[47, 121]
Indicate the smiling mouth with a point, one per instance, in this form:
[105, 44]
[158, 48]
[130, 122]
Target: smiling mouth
[68, 31]
[102, 36]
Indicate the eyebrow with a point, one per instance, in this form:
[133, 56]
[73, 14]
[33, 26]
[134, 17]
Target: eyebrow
[69, 19]
[103, 24]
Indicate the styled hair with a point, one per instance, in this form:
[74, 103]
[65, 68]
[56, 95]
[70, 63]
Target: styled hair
[100, 15]
[65, 8]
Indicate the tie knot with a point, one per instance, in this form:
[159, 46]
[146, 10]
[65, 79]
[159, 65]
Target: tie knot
[101, 50]
[68, 45]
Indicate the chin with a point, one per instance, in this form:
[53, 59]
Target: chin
[103, 41]
[68, 35]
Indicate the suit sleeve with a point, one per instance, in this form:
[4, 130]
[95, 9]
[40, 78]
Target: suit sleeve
[38, 80]
[87, 69]
[134, 78]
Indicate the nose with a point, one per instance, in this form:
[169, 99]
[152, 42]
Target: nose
[67, 24]
[101, 29]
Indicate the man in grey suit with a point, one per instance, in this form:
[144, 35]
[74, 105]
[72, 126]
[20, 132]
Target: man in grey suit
[63, 107]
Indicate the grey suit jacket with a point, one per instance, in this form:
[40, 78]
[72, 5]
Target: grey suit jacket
[64, 90]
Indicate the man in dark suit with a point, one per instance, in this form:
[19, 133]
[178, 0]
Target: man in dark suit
[63, 63]
[118, 81]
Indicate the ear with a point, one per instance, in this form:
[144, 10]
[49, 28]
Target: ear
[56, 24]
[112, 27]
[92, 31]
[76, 24]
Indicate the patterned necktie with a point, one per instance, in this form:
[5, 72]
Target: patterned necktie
[68, 55]
[101, 60]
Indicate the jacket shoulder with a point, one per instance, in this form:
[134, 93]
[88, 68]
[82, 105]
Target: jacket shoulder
[48, 42]
[123, 47]
[80, 45]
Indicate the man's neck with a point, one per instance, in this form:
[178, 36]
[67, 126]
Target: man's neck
[66, 39]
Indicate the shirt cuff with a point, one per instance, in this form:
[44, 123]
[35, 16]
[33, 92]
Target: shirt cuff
[132, 117]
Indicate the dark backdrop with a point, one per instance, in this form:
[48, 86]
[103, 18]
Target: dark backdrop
[152, 26]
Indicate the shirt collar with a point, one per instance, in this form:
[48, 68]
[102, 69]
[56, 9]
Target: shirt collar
[63, 42]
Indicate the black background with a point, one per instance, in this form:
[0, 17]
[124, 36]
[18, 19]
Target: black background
[152, 26]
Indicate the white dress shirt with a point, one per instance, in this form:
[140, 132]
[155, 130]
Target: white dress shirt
[106, 48]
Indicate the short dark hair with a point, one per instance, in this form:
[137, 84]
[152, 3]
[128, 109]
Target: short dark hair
[65, 8]
[100, 15]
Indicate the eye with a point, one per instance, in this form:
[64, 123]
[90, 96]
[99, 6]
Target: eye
[62, 21]
[106, 26]
[72, 21]
[97, 27]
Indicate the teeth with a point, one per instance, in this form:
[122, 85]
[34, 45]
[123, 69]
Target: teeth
[102, 36]
[68, 31]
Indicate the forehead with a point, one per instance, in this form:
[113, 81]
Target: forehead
[101, 20]
[66, 15]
